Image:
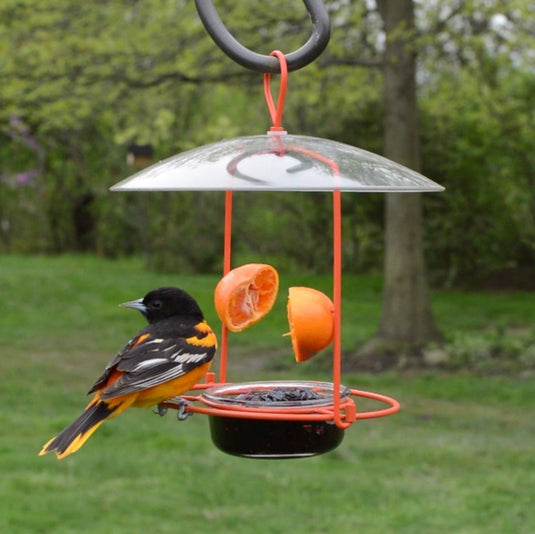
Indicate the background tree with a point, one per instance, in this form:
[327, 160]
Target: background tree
[406, 313]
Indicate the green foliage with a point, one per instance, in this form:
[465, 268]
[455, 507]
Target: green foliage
[83, 81]
[501, 351]
[482, 151]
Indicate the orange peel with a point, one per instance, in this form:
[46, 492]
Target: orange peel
[311, 320]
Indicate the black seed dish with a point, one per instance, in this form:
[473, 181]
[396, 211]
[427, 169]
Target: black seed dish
[279, 394]
[274, 439]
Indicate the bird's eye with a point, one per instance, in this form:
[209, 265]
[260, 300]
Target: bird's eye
[156, 304]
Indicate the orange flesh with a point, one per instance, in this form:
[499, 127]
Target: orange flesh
[243, 305]
[245, 295]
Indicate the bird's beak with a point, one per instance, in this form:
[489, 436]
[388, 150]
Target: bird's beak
[135, 305]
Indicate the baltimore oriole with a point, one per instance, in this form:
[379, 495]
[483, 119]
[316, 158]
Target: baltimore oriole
[165, 359]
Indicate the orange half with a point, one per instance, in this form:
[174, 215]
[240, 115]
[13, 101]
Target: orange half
[310, 315]
[245, 295]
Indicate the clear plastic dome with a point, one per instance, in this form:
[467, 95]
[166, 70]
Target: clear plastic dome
[277, 161]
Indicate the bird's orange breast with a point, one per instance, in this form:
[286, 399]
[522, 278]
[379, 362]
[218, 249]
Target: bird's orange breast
[156, 394]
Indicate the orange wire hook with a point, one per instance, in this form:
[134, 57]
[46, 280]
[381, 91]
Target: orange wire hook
[277, 111]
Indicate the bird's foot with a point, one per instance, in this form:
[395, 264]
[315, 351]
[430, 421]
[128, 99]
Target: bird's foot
[182, 412]
[161, 410]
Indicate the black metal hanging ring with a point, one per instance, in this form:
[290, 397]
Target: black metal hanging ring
[259, 62]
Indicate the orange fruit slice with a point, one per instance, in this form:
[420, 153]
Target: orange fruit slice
[245, 295]
[310, 315]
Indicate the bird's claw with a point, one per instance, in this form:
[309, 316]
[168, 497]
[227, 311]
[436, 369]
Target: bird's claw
[182, 412]
[161, 410]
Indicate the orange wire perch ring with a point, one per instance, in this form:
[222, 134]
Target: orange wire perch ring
[321, 413]
[250, 427]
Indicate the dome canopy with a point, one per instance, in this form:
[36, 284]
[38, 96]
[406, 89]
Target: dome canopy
[277, 161]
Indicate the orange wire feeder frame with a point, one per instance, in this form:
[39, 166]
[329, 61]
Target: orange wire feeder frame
[251, 419]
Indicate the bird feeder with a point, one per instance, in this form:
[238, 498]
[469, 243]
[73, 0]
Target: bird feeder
[279, 419]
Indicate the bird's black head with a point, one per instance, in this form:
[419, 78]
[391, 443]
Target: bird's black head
[166, 302]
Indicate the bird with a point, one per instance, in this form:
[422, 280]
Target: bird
[163, 360]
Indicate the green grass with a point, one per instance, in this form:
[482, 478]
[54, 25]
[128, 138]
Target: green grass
[458, 458]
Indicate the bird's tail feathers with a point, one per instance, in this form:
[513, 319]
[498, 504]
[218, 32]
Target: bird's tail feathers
[72, 437]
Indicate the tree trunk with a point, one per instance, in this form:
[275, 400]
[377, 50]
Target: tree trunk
[406, 318]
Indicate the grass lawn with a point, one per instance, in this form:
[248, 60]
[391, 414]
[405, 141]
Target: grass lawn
[458, 458]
